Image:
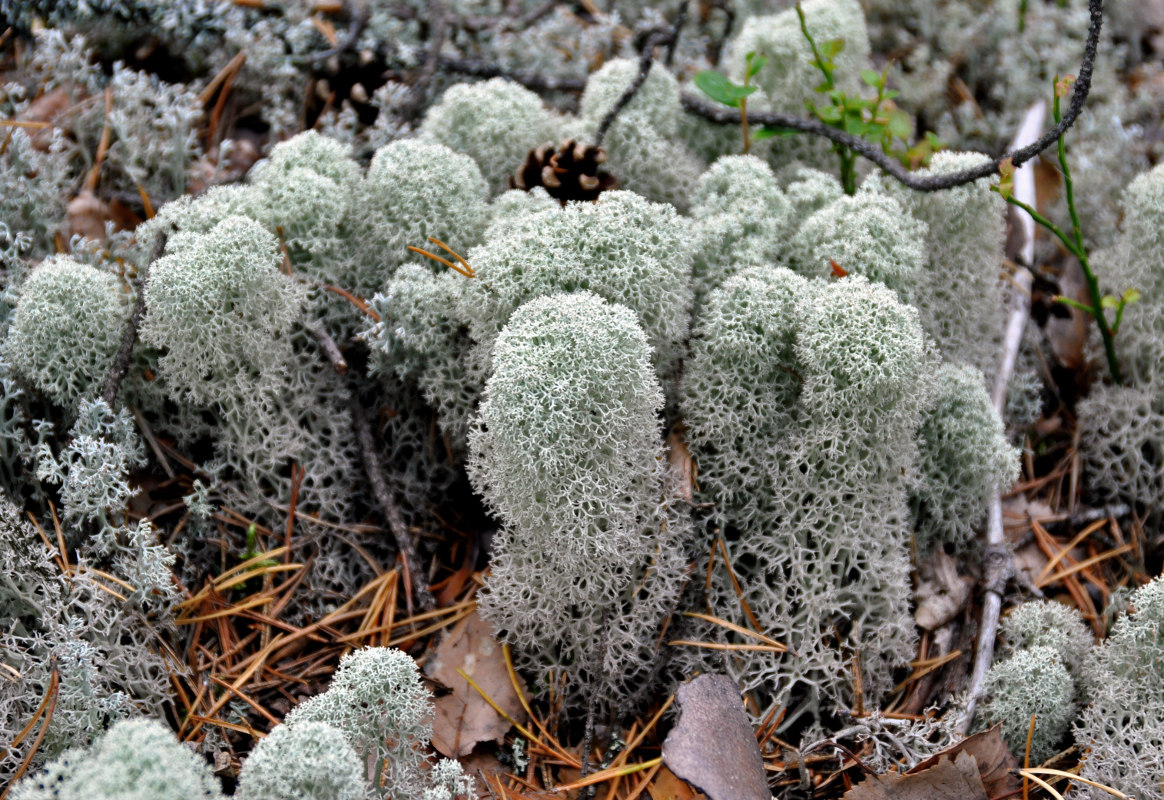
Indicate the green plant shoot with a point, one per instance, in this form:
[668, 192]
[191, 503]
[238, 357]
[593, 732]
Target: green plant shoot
[1073, 241]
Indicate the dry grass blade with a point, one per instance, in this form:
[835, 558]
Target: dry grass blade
[1083, 534]
[358, 302]
[1032, 771]
[225, 612]
[925, 667]
[727, 562]
[243, 696]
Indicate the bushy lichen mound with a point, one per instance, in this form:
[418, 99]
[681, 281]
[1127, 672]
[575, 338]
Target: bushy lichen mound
[67, 328]
[789, 78]
[567, 453]
[1032, 681]
[804, 401]
[1044, 623]
[963, 265]
[622, 248]
[646, 148]
[307, 761]
[220, 309]
[1122, 427]
[741, 218]
[377, 700]
[964, 456]
[1124, 680]
[136, 759]
[414, 189]
[868, 234]
[496, 122]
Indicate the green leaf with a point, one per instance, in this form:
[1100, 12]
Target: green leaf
[828, 114]
[755, 63]
[900, 125]
[769, 131]
[832, 48]
[1131, 296]
[720, 89]
[1109, 301]
[873, 78]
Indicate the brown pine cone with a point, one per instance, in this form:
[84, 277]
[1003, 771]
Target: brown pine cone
[568, 173]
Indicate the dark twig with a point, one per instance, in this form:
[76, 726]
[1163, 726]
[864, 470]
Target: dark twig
[121, 361]
[647, 58]
[676, 29]
[724, 115]
[729, 22]
[530, 80]
[405, 542]
[599, 656]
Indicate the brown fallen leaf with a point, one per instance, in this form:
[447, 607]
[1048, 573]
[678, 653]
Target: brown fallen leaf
[45, 110]
[713, 746]
[87, 215]
[942, 593]
[666, 785]
[681, 463]
[992, 756]
[462, 718]
[945, 780]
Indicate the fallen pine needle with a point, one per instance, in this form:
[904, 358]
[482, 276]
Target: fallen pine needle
[731, 626]
[607, 774]
[758, 648]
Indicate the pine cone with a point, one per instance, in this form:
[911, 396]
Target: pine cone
[569, 173]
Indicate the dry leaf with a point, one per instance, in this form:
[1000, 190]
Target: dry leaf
[713, 746]
[942, 593]
[463, 718]
[681, 463]
[945, 780]
[666, 785]
[993, 758]
[46, 109]
[88, 214]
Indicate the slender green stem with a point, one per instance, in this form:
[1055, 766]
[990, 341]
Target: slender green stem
[1068, 242]
[848, 170]
[820, 63]
[1080, 251]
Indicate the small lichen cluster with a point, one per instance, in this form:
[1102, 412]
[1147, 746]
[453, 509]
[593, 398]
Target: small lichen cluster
[1122, 427]
[1123, 679]
[378, 704]
[1046, 644]
[136, 759]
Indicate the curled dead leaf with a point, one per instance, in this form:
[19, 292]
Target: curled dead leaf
[462, 718]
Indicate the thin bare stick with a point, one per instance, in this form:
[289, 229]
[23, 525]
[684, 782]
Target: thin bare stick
[998, 563]
[405, 541]
[121, 361]
[328, 346]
